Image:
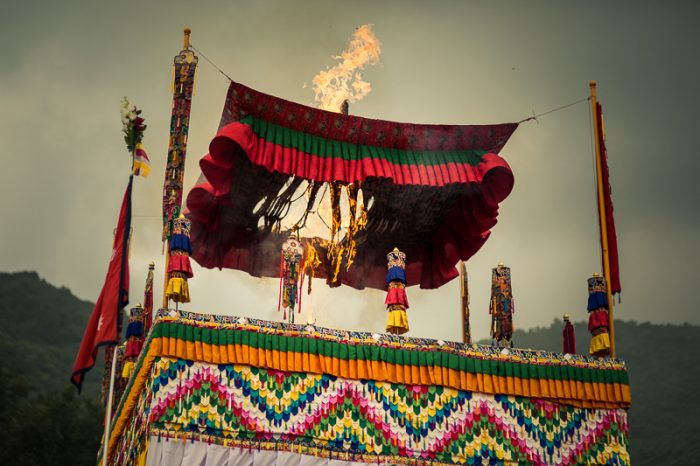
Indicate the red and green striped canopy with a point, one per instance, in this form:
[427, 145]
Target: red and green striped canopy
[435, 189]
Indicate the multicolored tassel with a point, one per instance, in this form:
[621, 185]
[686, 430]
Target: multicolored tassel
[598, 319]
[396, 301]
[179, 269]
[134, 340]
[502, 306]
[291, 266]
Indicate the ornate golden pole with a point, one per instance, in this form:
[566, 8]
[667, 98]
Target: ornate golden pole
[601, 215]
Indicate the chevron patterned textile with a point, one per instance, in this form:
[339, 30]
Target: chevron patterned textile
[181, 410]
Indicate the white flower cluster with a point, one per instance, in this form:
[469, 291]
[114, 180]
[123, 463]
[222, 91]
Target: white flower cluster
[128, 113]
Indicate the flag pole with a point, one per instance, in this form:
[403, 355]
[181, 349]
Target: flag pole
[602, 215]
[464, 304]
[108, 411]
[165, 280]
[113, 369]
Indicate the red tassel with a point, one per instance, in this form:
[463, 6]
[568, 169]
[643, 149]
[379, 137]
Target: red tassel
[285, 314]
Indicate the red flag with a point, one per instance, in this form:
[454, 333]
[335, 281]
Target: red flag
[102, 326]
[148, 301]
[614, 278]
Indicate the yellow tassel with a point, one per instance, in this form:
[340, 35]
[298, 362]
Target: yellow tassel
[397, 321]
[178, 290]
[600, 344]
[127, 370]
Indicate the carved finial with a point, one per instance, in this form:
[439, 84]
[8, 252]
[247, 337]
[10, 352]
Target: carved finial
[186, 42]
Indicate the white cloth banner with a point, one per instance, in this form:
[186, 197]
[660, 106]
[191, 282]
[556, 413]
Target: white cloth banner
[173, 452]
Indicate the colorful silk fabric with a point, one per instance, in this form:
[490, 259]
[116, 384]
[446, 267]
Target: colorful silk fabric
[134, 340]
[598, 318]
[179, 269]
[396, 300]
[502, 306]
[438, 186]
[266, 386]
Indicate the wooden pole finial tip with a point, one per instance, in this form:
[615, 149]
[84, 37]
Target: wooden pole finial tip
[187, 33]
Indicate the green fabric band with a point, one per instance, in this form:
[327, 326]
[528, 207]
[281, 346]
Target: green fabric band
[364, 352]
[321, 147]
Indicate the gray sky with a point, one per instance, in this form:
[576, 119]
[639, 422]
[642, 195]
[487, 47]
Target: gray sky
[65, 167]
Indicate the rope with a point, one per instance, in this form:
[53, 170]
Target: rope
[210, 62]
[535, 117]
[324, 222]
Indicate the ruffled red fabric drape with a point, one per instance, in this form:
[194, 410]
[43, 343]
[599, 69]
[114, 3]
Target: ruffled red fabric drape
[436, 206]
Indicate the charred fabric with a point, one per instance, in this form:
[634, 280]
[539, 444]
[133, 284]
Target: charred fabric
[430, 190]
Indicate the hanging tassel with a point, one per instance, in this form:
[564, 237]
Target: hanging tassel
[396, 301]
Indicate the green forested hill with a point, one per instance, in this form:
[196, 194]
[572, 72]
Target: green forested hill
[40, 330]
[41, 327]
[662, 364]
[43, 419]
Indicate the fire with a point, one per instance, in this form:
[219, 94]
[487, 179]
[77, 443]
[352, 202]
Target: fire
[338, 214]
[344, 80]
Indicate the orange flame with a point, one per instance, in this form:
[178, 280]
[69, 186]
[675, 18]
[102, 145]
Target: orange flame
[344, 80]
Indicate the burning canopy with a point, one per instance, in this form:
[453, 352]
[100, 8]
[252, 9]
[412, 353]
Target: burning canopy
[431, 190]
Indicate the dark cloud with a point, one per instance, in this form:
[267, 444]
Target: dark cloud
[67, 66]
